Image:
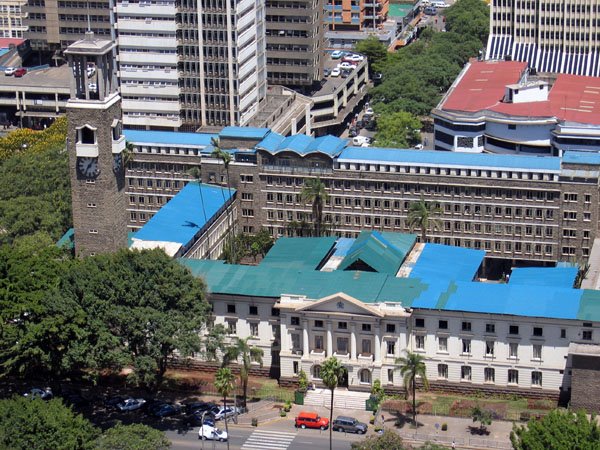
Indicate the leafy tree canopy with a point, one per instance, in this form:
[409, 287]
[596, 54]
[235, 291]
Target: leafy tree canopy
[386, 441]
[561, 429]
[399, 130]
[27, 424]
[132, 437]
[374, 50]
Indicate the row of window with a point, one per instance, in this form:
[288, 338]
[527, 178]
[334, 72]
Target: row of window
[490, 348]
[489, 375]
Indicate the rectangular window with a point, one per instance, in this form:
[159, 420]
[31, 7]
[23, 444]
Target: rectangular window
[443, 371]
[587, 335]
[230, 308]
[342, 325]
[490, 328]
[420, 342]
[295, 341]
[489, 375]
[443, 324]
[296, 366]
[390, 328]
[390, 374]
[537, 351]
[420, 323]
[536, 379]
[466, 346]
[232, 326]
[275, 312]
[253, 310]
[342, 345]
[513, 376]
[489, 348]
[465, 373]
[538, 331]
[253, 329]
[466, 326]
[391, 348]
[442, 344]
[513, 350]
[318, 343]
[366, 347]
[366, 327]
[295, 321]
[513, 329]
[318, 324]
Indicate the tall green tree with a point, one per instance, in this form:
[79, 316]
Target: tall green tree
[224, 383]
[332, 373]
[560, 429]
[46, 425]
[241, 350]
[136, 436]
[213, 341]
[196, 173]
[225, 158]
[423, 215]
[398, 130]
[314, 192]
[411, 367]
[374, 50]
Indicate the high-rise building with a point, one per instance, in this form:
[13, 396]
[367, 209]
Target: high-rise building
[11, 19]
[295, 42]
[553, 36]
[55, 24]
[356, 15]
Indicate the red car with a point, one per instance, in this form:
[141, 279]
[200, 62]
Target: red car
[20, 72]
[311, 420]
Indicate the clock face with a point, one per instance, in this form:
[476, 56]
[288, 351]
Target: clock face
[117, 162]
[88, 167]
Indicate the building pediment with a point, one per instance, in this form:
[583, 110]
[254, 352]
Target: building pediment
[341, 303]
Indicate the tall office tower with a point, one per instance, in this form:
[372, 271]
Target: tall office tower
[552, 36]
[55, 24]
[148, 62]
[356, 15]
[295, 42]
[11, 18]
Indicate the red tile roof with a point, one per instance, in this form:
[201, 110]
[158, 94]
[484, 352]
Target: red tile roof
[572, 98]
[7, 42]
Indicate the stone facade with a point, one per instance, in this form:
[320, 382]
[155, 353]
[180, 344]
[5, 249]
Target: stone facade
[585, 373]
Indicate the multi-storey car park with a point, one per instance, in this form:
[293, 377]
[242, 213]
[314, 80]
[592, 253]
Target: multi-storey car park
[523, 208]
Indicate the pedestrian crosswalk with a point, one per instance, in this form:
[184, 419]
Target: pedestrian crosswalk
[268, 440]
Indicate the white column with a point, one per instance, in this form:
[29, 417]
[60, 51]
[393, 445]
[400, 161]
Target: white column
[377, 344]
[353, 341]
[284, 337]
[305, 349]
[329, 340]
[398, 349]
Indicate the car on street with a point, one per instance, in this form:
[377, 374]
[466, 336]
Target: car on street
[337, 54]
[335, 72]
[44, 394]
[20, 72]
[349, 425]
[164, 410]
[10, 71]
[431, 10]
[326, 72]
[311, 420]
[211, 433]
[131, 404]
[369, 112]
[226, 412]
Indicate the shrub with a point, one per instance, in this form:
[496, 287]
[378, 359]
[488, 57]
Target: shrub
[288, 406]
[372, 420]
[444, 426]
[282, 413]
[302, 380]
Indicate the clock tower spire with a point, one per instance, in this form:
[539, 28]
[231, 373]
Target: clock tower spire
[95, 143]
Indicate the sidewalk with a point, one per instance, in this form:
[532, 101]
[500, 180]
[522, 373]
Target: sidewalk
[459, 431]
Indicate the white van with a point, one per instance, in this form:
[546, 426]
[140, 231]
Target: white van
[439, 4]
[361, 141]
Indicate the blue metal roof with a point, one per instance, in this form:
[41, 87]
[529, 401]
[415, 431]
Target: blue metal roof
[544, 276]
[438, 261]
[302, 144]
[186, 214]
[244, 132]
[440, 158]
[168, 137]
[588, 158]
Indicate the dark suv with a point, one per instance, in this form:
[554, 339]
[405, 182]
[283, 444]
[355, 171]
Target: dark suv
[349, 425]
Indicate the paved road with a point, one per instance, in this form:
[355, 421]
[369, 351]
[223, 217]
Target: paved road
[276, 436]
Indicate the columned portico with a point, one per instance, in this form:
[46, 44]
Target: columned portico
[305, 345]
[377, 344]
[329, 339]
[353, 341]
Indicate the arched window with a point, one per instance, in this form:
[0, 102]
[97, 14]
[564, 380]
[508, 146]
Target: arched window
[317, 372]
[365, 376]
[87, 135]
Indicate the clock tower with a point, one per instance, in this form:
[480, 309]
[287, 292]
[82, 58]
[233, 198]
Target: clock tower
[95, 143]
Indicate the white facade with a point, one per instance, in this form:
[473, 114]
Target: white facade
[148, 64]
[11, 18]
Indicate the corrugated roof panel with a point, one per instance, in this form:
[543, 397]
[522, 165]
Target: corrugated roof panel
[299, 253]
[373, 249]
[450, 263]
[588, 158]
[244, 132]
[168, 138]
[544, 276]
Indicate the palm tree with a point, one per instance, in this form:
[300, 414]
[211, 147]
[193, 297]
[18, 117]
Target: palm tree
[248, 354]
[332, 373]
[224, 382]
[422, 214]
[226, 158]
[412, 366]
[196, 174]
[314, 192]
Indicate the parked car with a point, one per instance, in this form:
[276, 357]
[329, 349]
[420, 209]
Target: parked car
[360, 141]
[227, 412]
[353, 58]
[349, 425]
[165, 409]
[326, 72]
[311, 420]
[369, 112]
[44, 394]
[131, 404]
[377, 78]
[337, 54]
[346, 73]
[112, 402]
[193, 407]
[20, 72]
[211, 433]
[195, 419]
[335, 72]
[419, 147]
[431, 11]
[346, 65]
[10, 71]
[352, 132]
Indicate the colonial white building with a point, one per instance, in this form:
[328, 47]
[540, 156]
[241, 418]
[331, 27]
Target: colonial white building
[368, 301]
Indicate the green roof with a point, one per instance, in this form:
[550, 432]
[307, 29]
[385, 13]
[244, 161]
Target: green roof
[589, 305]
[383, 252]
[298, 253]
[272, 282]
